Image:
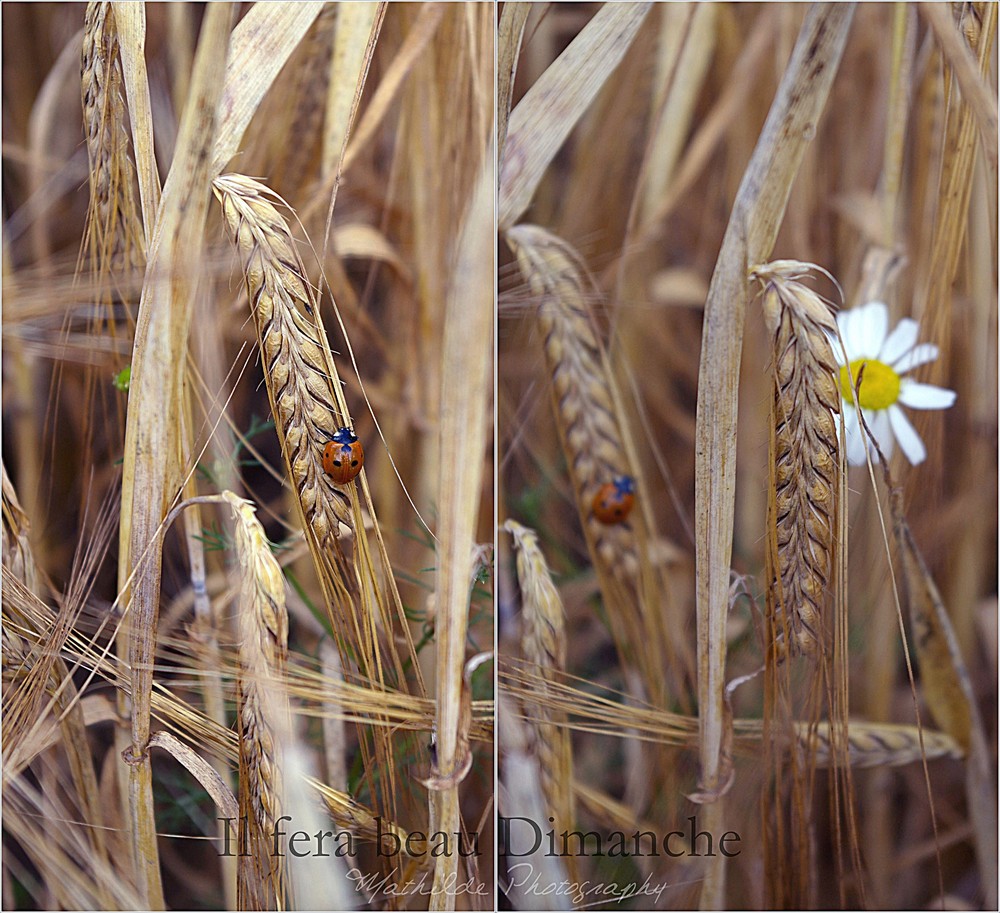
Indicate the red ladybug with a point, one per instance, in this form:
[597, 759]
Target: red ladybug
[615, 500]
[343, 456]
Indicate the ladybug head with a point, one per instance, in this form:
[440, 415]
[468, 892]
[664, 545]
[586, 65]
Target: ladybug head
[344, 436]
[625, 485]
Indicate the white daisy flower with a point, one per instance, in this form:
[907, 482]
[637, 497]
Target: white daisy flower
[886, 358]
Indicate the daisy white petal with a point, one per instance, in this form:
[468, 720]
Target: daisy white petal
[874, 323]
[909, 440]
[924, 396]
[878, 422]
[885, 359]
[855, 437]
[852, 325]
[835, 347]
[900, 341]
[918, 355]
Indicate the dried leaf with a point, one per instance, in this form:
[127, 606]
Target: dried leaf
[542, 120]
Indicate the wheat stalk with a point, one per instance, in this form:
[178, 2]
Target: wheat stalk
[351, 816]
[113, 223]
[585, 408]
[15, 552]
[589, 420]
[299, 384]
[543, 642]
[879, 744]
[805, 451]
[262, 708]
[867, 744]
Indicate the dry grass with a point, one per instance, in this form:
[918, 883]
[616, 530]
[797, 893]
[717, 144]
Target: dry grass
[321, 650]
[202, 661]
[720, 138]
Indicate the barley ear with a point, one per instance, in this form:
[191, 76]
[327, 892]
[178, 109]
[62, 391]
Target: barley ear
[877, 744]
[590, 419]
[585, 409]
[262, 706]
[804, 471]
[113, 230]
[543, 642]
[300, 386]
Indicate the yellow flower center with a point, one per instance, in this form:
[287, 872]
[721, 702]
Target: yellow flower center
[879, 384]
